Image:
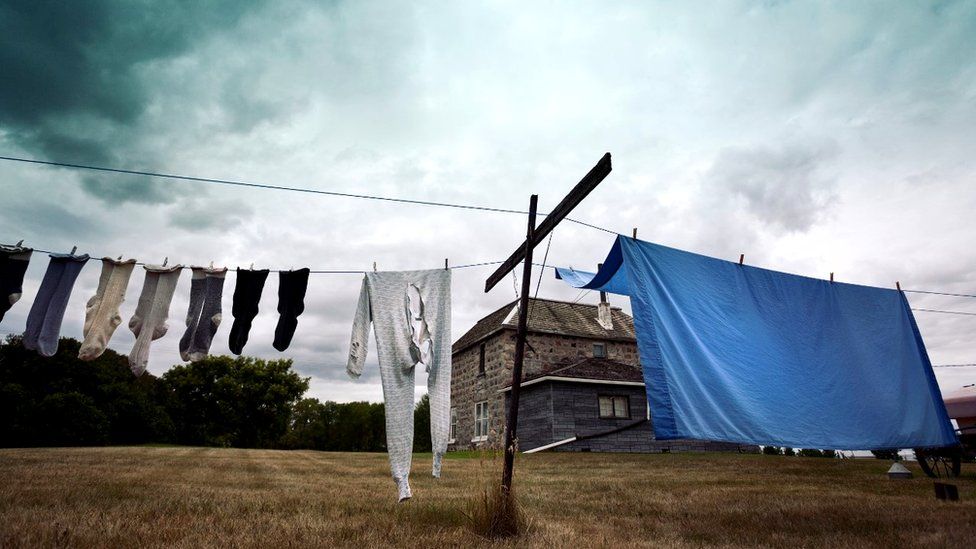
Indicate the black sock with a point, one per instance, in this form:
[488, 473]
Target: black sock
[291, 304]
[247, 295]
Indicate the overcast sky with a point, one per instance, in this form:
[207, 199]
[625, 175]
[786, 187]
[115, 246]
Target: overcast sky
[811, 136]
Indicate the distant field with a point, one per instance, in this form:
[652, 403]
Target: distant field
[190, 497]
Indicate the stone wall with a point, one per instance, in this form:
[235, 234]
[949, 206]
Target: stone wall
[468, 387]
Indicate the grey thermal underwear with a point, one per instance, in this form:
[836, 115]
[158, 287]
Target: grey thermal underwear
[291, 303]
[411, 316]
[247, 295]
[47, 313]
[149, 321]
[13, 265]
[204, 313]
[102, 313]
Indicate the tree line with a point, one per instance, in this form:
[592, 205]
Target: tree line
[239, 402]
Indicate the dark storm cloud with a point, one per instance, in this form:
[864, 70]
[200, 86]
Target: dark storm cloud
[75, 81]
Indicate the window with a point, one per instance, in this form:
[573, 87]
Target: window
[614, 407]
[600, 350]
[453, 435]
[481, 360]
[480, 422]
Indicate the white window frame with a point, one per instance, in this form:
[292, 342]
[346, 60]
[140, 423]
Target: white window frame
[481, 423]
[453, 429]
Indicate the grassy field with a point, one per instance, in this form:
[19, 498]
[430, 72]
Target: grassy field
[191, 497]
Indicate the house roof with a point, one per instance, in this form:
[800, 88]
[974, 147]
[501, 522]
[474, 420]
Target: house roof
[590, 369]
[551, 317]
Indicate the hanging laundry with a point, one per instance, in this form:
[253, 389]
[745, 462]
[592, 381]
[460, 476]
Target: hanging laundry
[411, 316]
[742, 354]
[149, 321]
[291, 303]
[13, 265]
[247, 295]
[102, 312]
[204, 313]
[47, 313]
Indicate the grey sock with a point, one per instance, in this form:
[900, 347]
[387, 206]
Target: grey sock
[197, 284]
[45, 317]
[210, 314]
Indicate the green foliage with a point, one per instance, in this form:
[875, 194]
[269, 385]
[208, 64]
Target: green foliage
[62, 400]
[810, 452]
[787, 451]
[889, 455]
[772, 450]
[218, 401]
[223, 401]
[332, 426]
[421, 426]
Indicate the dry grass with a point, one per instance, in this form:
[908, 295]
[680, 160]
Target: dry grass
[190, 497]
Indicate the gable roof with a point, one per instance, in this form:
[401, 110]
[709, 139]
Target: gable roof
[589, 369]
[551, 317]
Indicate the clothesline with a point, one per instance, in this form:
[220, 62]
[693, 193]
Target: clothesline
[234, 183]
[327, 271]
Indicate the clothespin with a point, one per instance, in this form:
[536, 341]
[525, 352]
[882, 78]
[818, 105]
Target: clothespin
[374, 266]
[120, 258]
[252, 266]
[742, 257]
[211, 265]
[74, 249]
[635, 233]
[19, 244]
[445, 264]
[898, 285]
[831, 277]
[165, 260]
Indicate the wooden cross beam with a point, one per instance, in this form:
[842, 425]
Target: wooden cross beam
[533, 236]
[575, 196]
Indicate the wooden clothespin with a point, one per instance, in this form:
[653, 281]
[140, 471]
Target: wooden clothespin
[831, 277]
[445, 264]
[74, 249]
[898, 285]
[635, 233]
[742, 257]
[374, 266]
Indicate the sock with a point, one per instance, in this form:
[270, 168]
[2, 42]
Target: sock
[102, 313]
[197, 283]
[247, 295]
[210, 314]
[149, 321]
[291, 303]
[44, 320]
[13, 265]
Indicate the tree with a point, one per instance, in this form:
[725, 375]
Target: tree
[890, 455]
[223, 401]
[421, 426]
[771, 450]
[787, 451]
[106, 404]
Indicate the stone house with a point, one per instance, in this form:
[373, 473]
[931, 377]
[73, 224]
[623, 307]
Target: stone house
[581, 380]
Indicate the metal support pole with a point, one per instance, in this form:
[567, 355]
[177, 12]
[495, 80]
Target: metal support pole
[513, 407]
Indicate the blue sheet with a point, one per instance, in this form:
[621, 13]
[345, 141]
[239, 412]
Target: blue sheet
[742, 354]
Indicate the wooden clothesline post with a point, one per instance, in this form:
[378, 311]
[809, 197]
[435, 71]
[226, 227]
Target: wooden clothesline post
[533, 236]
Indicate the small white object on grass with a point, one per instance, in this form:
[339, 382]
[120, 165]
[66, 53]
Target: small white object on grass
[899, 471]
